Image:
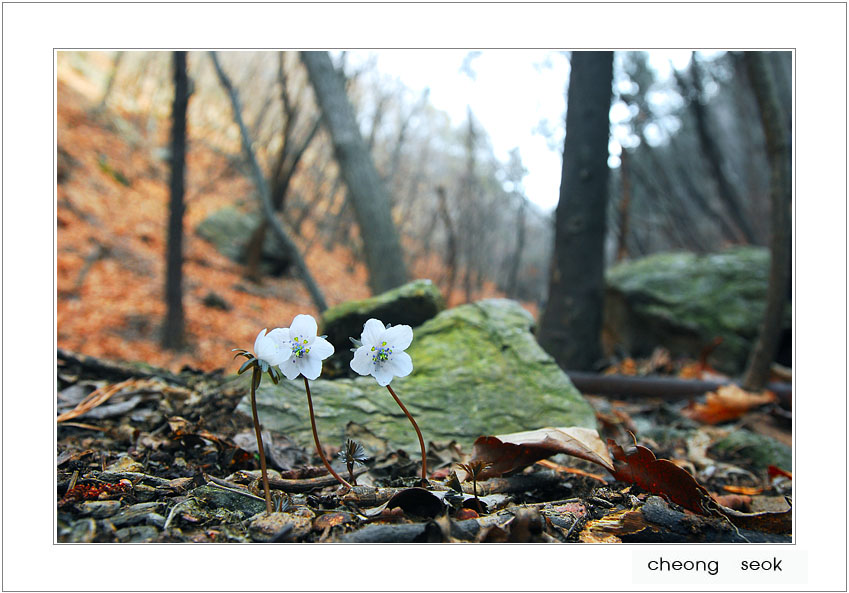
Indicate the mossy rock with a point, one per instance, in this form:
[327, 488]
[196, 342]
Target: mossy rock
[230, 230]
[478, 370]
[411, 304]
[759, 450]
[683, 301]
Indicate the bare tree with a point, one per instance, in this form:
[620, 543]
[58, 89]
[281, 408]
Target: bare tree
[368, 195]
[778, 149]
[570, 327]
[264, 191]
[173, 330]
[288, 158]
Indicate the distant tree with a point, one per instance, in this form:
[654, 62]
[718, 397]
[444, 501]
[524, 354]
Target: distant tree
[367, 193]
[777, 136]
[570, 327]
[173, 335]
[263, 191]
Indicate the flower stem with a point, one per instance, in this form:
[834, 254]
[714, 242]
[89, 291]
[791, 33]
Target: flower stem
[317, 443]
[418, 433]
[257, 376]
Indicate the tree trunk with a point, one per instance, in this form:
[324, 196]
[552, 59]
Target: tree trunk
[367, 194]
[780, 269]
[265, 193]
[570, 328]
[624, 207]
[173, 330]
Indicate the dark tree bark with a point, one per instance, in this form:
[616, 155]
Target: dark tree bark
[624, 207]
[265, 193]
[367, 194]
[570, 328]
[777, 137]
[174, 329]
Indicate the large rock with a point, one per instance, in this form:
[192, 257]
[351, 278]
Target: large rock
[230, 229]
[411, 304]
[477, 370]
[683, 301]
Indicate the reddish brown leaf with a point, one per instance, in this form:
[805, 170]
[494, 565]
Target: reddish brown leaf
[660, 476]
[747, 490]
[774, 471]
[512, 452]
[729, 402]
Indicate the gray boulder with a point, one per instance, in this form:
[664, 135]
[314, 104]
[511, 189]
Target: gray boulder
[478, 370]
[683, 301]
[230, 229]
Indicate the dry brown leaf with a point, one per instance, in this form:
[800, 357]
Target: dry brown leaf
[512, 452]
[729, 402]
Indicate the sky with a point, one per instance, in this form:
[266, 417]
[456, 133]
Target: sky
[510, 92]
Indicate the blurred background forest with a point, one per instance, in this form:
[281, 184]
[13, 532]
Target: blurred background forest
[688, 171]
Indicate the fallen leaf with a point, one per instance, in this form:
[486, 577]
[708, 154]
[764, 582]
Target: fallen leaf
[729, 402]
[775, 471]
[660, 476]
[512, 452]
[747, 490]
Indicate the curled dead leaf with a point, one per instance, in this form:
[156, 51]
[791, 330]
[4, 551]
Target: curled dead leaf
[512, 452]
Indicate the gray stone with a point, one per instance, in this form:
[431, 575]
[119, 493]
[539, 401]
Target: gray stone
[758, 449]
[264, 527]
[411, 304]
[477, 370]
[683, 301]
[145, 512]
[220, 498]
[230, 229]
[137, 534]
[100, 508]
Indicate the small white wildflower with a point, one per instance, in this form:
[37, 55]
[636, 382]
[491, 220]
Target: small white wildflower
[271, 348]
[382, 352]
[304, 350]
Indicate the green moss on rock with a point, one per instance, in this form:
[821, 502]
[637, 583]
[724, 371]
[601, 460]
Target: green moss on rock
[477, 370]
[683, 301]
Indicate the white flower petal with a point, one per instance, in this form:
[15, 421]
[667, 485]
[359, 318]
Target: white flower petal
[280, 335]
[400, 364]
[383, 375]
[259, 337]
[398, 337]
[290, 368]
[372, 332]
[362, 363]
[303, 326]
[310, 366]
[321, 348]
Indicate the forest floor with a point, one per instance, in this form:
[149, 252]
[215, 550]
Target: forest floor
[159, 457]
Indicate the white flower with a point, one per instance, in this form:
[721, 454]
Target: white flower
[304, 350]
[270, 348]
[382, 352]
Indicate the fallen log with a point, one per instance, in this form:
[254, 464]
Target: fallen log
[663, 387]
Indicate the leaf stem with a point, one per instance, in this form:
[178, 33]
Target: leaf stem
[418, 433]
[317, 443]
[255, 379]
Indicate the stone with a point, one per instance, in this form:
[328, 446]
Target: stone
[477, 370]
[411, 304]
[100, 509]
[683, 301]
[233, 501]
[264, 527]
[125, 463]
[758, 450]
[145, 512]
[230, 229]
